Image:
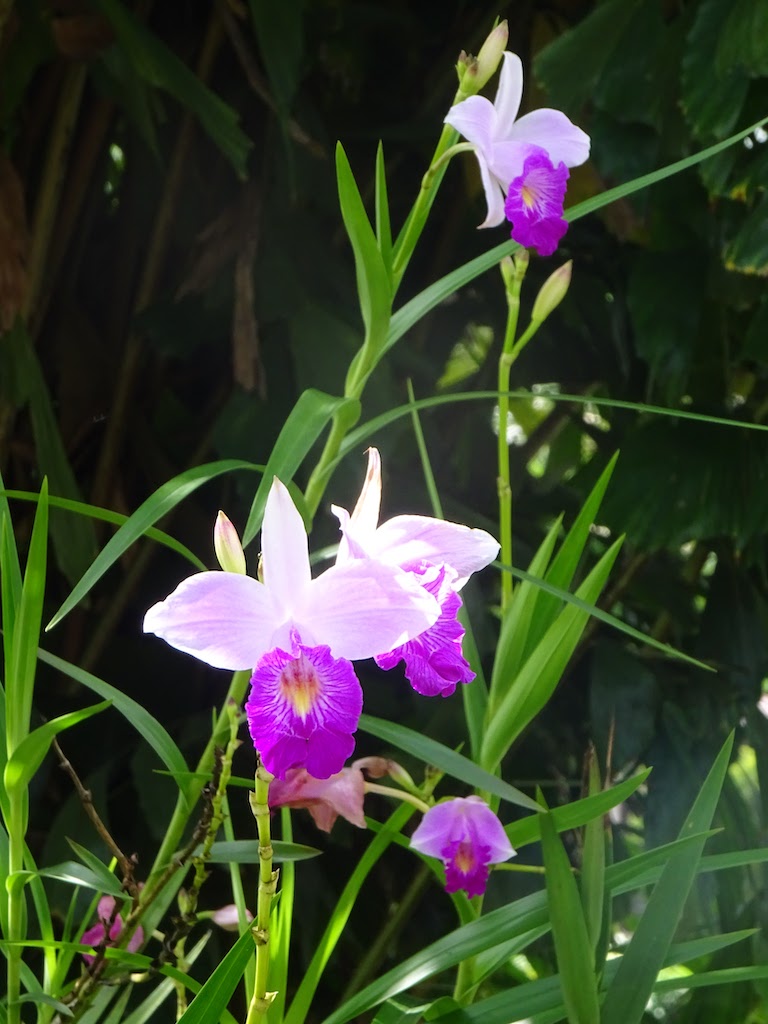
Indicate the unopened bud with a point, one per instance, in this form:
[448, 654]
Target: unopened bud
[474, 72]
[227, 917]
[227, 546]
[552, 293]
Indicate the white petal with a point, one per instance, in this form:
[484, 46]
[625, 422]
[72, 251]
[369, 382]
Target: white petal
[350, 545]
[508, 95]
[494, 195]
[552, 130]
[405, 539]
[475, 119]
[363, 608]
[221, 618]
[509, 159]
[284, 549]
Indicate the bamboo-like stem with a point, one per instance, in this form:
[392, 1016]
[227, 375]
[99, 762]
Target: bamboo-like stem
[16, 799]
[261, 999]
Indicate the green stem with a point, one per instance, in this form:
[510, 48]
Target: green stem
[397, 794]
[262, 999]
[513, 273]
[15, 903]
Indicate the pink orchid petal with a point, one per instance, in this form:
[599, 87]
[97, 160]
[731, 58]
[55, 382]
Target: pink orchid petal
[509, 94]
[553, 131]
[351, 545]
[284, 549]
[405, 539]
[222, 618]
[475, 119]
[362, 608]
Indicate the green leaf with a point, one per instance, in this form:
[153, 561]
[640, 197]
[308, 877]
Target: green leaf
[93, 863]
[212, 999]
[147, 726]
[593, 862]
[246, 851]
[146, 515]
[29, 754]
[743, 42]
[162, 68]
[573, 947]
[534, 684]
[383, 227]
[20, 683]
[106, 515]
[310, 415]
[456, 765]
[279, 30]
[628, 993]
[72, 873]
[577, 813]
[712, 94]
[374, 287]
[748, 251]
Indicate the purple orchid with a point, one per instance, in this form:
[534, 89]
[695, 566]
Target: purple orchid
[298, 636]
[441, 557]
[98, 935]
[467, 836]
[503, 143]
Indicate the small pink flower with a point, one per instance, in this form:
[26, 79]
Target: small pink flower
[467, 836]
[534, 204]
[97, 934]
[326, 799]
[228, 918]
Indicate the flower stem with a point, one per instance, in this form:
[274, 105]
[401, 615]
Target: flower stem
[397, 794]
[15, 903]
[513, 272]
[261, 999]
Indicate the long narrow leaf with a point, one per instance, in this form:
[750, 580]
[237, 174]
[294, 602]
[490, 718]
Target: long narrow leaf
[629, 991]
[146, 515]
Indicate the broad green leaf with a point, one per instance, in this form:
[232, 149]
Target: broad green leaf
[310, 415]
[146, 515]
[748, 251]
[279, 30]
[20, 683]
[744, 39]
[628, 993]
[29, 754]
[573, 947]
[373, 283]
[534, 684]
[144, 723]
[106, 515]
[212, 999]
[246, 851]
[162, 68]
[712, 94]
[431, 752]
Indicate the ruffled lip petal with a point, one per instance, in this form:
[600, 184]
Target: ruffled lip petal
[221, 618]
[284, 548]
[363, 607]
[509, 94]
[553, 131]
[406, 539]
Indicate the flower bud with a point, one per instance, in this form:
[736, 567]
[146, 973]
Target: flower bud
[227, 917]
[474, 72]
[552, 292]
[227, 546]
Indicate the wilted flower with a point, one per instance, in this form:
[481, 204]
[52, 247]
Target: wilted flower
[326, 799]
[441, 557]
[504, 143]
[467, 836]
[298, 635]
[97, 935]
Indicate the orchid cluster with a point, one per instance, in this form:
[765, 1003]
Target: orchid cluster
[392, 595]
[523, 161]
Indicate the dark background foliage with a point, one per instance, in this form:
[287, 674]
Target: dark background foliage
[173, 273]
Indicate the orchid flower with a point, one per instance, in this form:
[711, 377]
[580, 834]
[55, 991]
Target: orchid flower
[98, 935]
[467, 836]
[298, 636]
[503, 144]
[440, 556]
[326, 799]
